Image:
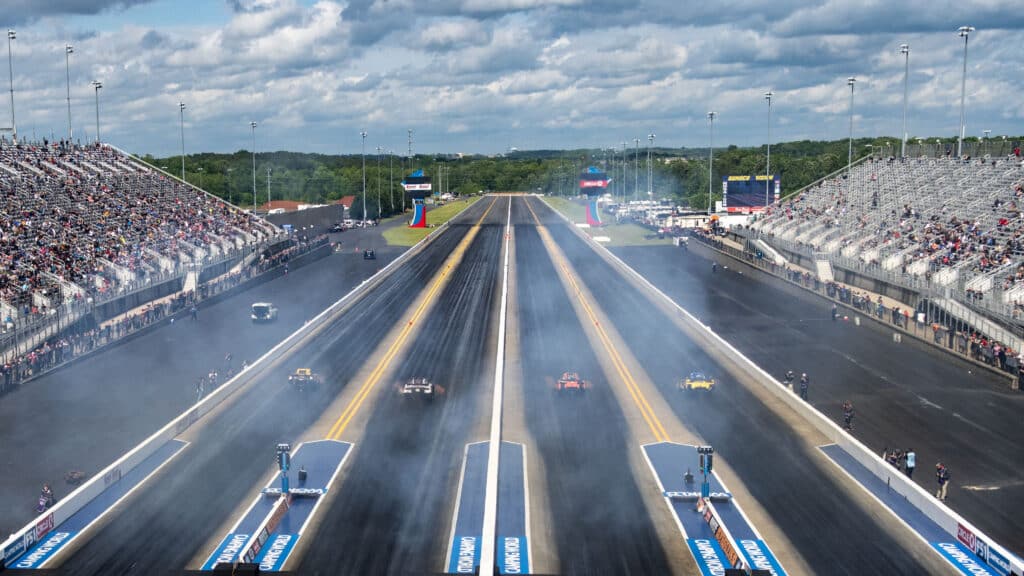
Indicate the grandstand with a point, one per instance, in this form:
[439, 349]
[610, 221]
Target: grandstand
[944, 227]
[81, 225]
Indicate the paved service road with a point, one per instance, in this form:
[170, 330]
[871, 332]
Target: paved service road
[175, 514]
[831, 531]
[906, 395]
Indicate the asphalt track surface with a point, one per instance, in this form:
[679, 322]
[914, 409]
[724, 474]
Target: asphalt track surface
[171, 517]
[601, 525]
[830, 530]
[87, 414]
[906, 395]
[393, 512]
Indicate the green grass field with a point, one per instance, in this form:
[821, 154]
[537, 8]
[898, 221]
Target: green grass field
[405, 236]
[619, 234]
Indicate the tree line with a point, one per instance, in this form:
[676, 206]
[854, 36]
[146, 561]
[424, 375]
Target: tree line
[677, 173]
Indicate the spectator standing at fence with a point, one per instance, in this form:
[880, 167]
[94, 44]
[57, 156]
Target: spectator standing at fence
[911, 462]
[835, 312]
[942, 477]
[194, 311]
[805, 382]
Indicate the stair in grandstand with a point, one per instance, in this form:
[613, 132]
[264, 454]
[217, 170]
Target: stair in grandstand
[771, 253]
[823, 268]
[983, 324]
[191, 280]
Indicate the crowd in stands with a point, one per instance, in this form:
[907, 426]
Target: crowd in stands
[74, 343]
[917, 216]
[79, 221]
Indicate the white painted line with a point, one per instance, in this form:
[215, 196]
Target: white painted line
[661, 490]
[491, 493]
[106, 512]
[327, 487]
[526, 514]
[458, 504]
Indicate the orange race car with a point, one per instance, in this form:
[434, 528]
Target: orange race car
[571, 382]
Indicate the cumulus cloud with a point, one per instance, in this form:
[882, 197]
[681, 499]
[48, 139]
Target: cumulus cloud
[479, 75]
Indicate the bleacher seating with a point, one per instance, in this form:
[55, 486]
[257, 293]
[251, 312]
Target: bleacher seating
[80, 221]
[955, 224]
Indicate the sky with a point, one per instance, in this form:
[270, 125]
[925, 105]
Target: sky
[484, 76]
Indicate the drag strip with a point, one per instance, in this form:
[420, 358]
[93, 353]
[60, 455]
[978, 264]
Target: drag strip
[599, 516]
[393, 508]
[907, 395]
[832, 531]
[173, 516]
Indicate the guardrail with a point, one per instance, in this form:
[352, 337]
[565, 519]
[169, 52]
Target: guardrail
[23, 539]
[947, 519]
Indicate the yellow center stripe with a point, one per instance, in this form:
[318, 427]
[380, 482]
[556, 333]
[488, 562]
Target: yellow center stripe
[396, 346]
[657, 429]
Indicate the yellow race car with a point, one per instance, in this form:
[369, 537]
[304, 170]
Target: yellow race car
[303, 377]
[697, 380]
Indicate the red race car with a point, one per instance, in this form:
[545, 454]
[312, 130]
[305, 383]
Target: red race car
[571, 382]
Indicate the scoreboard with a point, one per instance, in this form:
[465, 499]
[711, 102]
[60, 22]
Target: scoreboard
[746, 194]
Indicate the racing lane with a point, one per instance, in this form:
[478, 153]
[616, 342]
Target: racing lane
[174, 514]
[89, 413]
[831, 531]
[907, 395]
[393, 509]
[601, 525]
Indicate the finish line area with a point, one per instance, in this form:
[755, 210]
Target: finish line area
[717, 532]
[269, 530]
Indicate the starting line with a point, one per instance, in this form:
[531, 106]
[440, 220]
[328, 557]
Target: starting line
[277, 523]
[969, 554]
[512, 547]
[707, 531]
[50, 539]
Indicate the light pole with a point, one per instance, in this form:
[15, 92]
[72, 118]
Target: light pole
[768, 162]
[378, 183]
[711, 153]
[200, 171]
[227, 183]
[987, 132]
[96, 84]
[11, 35]
[252, 125]
[636, 169]
[181, 115]
[363, 134]
[625, 168]
[68, 50]
[268, 188]
[964, 31]
[650, 169]
[905, 50]
[849, 159]
[391, 179]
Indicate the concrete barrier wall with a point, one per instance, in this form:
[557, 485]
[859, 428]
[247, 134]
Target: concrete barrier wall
[935, 510]
[85, 493]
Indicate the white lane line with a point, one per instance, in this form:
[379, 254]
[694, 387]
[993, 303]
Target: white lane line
[526, 514]
[661, 488]
[458, 504]
[334, 475]
[487, 552]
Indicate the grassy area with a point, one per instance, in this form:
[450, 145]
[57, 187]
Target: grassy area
[618, 234]
[405, 236]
